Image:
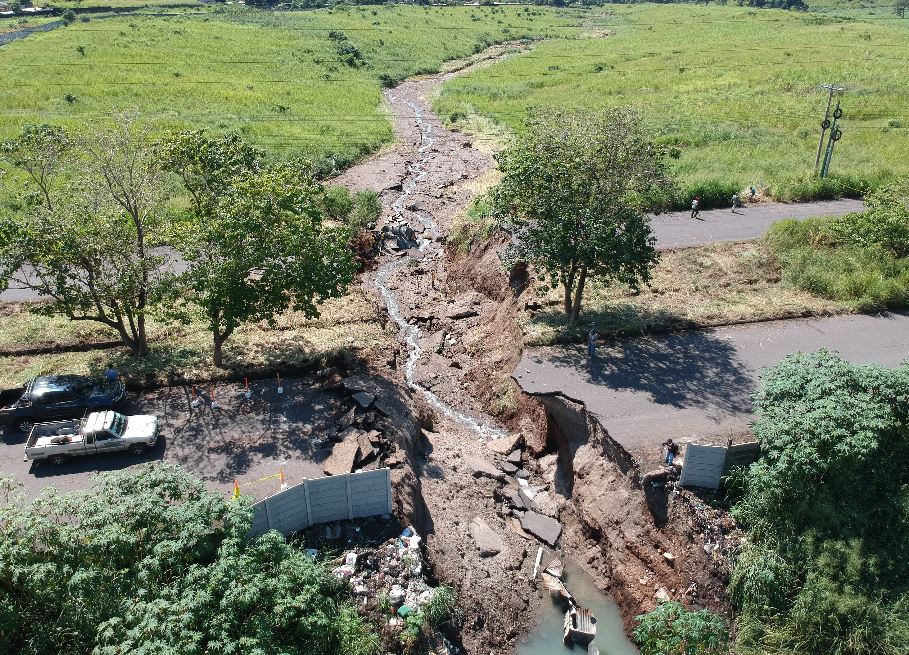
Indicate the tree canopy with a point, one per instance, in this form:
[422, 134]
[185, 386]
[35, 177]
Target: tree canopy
[255, 242]
[87, 240]
[826, 509]
[574, 191]
[149, 561]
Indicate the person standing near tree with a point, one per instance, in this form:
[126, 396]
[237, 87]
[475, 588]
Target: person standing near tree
[592, 337]
[752, 193]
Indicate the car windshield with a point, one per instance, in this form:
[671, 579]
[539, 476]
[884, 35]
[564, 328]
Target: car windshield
[118, 424]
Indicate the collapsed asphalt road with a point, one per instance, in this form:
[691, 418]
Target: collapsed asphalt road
[698, 383]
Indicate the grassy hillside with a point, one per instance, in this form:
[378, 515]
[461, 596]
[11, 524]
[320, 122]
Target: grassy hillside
[295, 83]
[736, 90]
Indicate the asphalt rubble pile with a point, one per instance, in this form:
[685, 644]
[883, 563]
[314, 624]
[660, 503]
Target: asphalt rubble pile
[359, 431]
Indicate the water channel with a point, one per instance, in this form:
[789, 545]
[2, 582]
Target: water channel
[546, 639]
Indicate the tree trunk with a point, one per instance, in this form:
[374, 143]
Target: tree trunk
[568, 286]
[578, 295]
[218, 350]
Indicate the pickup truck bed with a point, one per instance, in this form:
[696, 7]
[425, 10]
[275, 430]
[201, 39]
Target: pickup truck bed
[57, 433]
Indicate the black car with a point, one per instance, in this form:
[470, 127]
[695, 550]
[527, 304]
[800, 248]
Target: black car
[55, 397]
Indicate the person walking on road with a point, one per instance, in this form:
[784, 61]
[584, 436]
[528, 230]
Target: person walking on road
[696, 207]
[736, 202]
[592, 337]
[672, 449]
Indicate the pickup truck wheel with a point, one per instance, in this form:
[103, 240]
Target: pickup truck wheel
[56, 460]
[25, 425]
[137, 449]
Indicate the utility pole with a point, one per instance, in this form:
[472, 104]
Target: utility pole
[835, 135]
[825, 124]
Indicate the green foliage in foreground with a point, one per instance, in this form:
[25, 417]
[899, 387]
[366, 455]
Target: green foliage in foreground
[672, 630]
[860, 258]
[825, 569]
[735, 90]
[149, 561]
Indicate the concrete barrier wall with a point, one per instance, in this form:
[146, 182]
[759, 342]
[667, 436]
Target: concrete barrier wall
[355, 495]
[705, 466]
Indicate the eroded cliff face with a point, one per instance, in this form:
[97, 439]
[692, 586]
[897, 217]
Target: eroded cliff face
[610, 527]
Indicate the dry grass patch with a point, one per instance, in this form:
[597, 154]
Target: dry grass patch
[695, 287]
[184, 352]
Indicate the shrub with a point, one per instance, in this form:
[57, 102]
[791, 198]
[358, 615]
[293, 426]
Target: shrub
[439, 607]
[713, 193]
[670, 629]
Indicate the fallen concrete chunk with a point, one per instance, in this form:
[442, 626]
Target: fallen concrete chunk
[488, 540]
[343, 458]
[517, 500]
[367, 450]
[504, 445]
[542, 527]
[481, 468]
[515, 456]
[508, 468]
[662, 595]
[364, 398]
[526, 499]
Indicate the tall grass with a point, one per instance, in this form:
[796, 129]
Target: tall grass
[861, 259]
[277, 78]
[735, 90]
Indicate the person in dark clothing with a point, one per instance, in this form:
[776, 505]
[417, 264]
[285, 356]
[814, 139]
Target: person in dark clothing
[672, 449]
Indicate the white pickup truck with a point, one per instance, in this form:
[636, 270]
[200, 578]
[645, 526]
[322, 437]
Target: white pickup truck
[99, 432]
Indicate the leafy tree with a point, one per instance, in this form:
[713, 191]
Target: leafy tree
[90, 246]
[41, 152]
[255, 243]
[149, 561]
[574, 189]
[824, 570]
[672, 630]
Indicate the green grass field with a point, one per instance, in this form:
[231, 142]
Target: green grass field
[277, 78]
[736, 90]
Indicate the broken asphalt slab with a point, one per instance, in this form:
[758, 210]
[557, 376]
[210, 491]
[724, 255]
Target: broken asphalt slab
[488, 541]
[543, 527]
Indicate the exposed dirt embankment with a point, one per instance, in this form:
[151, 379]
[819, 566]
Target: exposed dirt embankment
[609, 522]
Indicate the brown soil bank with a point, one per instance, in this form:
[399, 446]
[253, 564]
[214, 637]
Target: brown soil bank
[675, 547]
